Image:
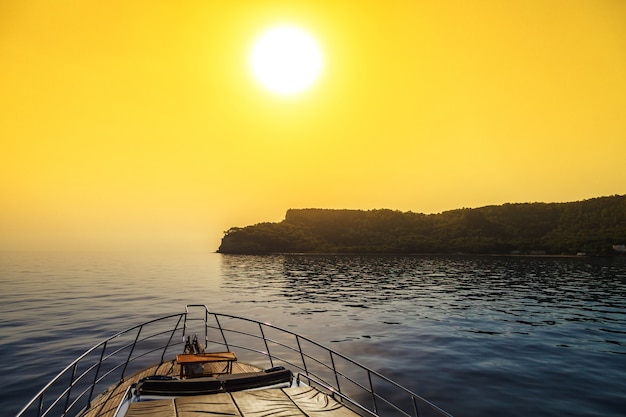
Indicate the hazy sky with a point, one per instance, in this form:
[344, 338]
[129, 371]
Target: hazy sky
[138, 124]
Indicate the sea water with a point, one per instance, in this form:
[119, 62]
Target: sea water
[477, 336]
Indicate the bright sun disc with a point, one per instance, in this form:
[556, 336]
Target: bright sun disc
[286, 60]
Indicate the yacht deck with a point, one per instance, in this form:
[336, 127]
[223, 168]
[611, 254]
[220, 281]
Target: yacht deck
[297, 401]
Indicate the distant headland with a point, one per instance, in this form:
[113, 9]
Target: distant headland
[593, 227]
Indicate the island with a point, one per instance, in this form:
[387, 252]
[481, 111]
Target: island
[590, 227]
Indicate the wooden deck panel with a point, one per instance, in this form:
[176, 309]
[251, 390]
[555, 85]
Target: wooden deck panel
[221, 405]
[271, 402]
[161, 408]
[317, 404]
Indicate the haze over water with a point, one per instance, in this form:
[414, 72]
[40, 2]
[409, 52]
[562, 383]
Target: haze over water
[476, 335]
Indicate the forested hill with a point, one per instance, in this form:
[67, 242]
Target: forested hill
[596, 227]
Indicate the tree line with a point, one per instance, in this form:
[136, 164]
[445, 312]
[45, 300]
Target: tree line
[596, 227]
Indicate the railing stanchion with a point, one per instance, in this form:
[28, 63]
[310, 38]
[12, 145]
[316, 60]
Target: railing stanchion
[95, 378]
[69, 389]
[417, 413]
[219, 326]
[185, 322]
[206, 326]
[332, 362]
[306, 371]
[132, 349]
[169, 341]
[369, 377]
[40, 408]
[267, 348]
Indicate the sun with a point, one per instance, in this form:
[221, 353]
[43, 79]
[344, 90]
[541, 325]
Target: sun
[286, 60]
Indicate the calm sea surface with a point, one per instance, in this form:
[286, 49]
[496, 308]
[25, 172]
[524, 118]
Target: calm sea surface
[478, 336]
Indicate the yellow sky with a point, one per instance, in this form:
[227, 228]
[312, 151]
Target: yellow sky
[137, 124]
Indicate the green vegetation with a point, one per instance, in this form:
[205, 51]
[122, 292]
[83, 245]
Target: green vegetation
[591, 226]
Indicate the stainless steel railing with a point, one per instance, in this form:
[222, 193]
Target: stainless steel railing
[106, 364]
